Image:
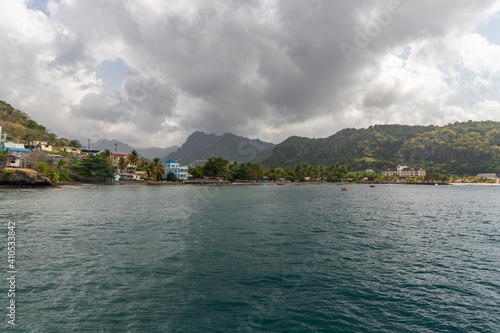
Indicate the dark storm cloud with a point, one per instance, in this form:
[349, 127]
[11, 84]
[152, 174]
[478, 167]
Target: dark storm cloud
[257, 67]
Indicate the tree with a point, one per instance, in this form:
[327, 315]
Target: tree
[216, 167]
[158, 168]
[92, 168]
[149, 168]
[134, 158]
[197, 172]
[107, 154]
[171, 177]
[434, 176]
[74, 143]
[250, 171]
[122, 163]
[63, 170]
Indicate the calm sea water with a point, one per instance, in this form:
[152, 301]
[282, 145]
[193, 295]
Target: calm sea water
[254, 259]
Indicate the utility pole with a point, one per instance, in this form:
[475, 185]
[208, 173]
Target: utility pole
[88, 153]
[116, 147]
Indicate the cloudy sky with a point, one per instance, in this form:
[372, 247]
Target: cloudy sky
[150, 72]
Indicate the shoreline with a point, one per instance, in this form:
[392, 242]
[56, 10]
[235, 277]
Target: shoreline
[165, 183]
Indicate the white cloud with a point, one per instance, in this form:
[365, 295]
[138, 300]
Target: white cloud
[265, 69]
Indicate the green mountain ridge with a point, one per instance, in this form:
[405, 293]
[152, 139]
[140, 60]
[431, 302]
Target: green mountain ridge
[459, 148]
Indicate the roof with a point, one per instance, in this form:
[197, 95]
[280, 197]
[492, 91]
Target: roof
[119, 154]
[390, 169]
[170, 161]
[15, 149]
[487, 175]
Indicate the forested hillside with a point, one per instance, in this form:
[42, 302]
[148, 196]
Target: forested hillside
[460, 148]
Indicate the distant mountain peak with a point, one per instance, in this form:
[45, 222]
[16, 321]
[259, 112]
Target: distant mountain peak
[200, 145]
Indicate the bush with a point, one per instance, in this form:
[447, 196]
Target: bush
[6, 173]
[47, 172]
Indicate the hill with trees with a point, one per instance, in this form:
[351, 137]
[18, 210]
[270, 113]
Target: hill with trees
[461, 148]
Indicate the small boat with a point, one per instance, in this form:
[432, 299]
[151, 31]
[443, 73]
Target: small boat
[281, 183]
[344, 188]
[372, 185]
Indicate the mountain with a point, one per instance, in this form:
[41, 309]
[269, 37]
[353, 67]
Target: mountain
[151, 153]
[122, 147]
[459, 148]
[199, 146]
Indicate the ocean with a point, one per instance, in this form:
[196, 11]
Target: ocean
[293, 258]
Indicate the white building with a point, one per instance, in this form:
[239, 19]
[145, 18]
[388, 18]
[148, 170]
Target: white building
[404, 171]
[180, 171]
[8, 144]
[39, 145]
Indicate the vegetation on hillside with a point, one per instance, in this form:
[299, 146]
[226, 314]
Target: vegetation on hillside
[456, 149]
[460, 148]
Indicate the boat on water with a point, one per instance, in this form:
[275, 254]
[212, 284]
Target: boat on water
[280, 183]
[344, 188]
[372, 185]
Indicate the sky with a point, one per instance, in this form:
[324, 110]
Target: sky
[151, 72]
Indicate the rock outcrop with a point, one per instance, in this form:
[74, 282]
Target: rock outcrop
[23, 177]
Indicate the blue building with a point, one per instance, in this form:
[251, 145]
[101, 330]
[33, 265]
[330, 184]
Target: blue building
[180, 171]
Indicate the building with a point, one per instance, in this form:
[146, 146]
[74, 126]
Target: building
[412, 172]
[404, 171]
[3, 136]
[12, 161]
[490, 176]
[8, 144]
[86, 151]
[389, 172]
[39, 146]
[129, 176]
[14, 156]
[180, 171]
[71, 150]
[116, 159]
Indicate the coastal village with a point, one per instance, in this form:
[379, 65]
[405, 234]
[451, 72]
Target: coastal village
[131, 167]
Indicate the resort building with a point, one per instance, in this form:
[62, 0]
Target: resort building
[404, 171]
[489, 176]
[180, 171]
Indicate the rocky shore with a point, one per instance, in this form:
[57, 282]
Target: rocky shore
[23, 177]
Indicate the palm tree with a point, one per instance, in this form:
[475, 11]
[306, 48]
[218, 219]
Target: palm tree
[150, 172]
[134, 158]
[298, 171]
[158, 168]
[122, 163]
[107, 155]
